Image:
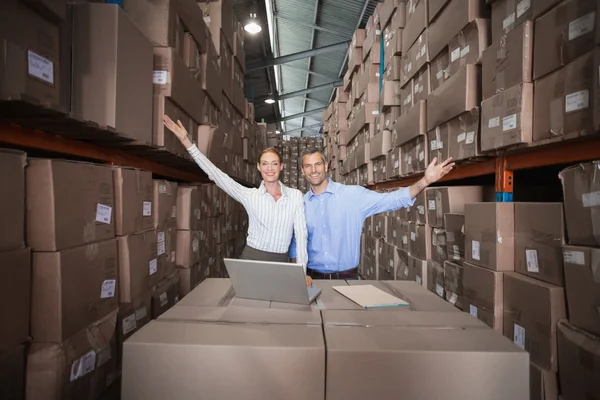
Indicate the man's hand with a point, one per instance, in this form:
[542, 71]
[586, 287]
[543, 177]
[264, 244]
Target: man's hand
[177, 129]
[435, 172]
[309, 281]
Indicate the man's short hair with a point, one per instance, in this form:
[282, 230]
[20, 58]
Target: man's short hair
[308, 152]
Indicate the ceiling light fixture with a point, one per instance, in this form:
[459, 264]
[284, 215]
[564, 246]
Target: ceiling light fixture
[270, 100]
[252, 26]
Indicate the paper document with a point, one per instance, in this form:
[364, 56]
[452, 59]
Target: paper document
[368, 296]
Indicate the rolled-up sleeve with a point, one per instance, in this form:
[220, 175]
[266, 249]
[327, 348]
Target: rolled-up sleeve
[301, 235]
[372, 203]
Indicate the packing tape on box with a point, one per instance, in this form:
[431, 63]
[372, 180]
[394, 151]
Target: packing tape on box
[474, 297]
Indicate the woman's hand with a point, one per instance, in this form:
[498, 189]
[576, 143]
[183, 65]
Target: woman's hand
[178, 130]
[309, 281]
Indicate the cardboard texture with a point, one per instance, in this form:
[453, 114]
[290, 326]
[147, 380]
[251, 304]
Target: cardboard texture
[12, 373]
[507, 118]
[422, 84]
[564, 34]
[567, 96]
[416, 22]
[164, 212]
[211, 82]
[582, 279]
[542, 384]
[139, 269]
[532, 310]
[219, 17]
[30, 54]
[80, 284]
[439, 252]
[579, 183]
[189, 212]
[508, 14]
[412, 124]
[162, 137]
[455, 236]
[12, 193]
[435, 278]
[15, 299]
[165, 295]
[508, 61]
[112, 68]
[539, 237]
[490, 235]
[133, 200]
[131, 318]
[82, 366]
[415, 58]
[69, 204]
[463, 135]
[415, 155]
[484, 295]
[453, 284]
[443, 200]
[52, 10]
[579, 360]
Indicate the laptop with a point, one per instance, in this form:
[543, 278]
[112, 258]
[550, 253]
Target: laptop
[270, 281]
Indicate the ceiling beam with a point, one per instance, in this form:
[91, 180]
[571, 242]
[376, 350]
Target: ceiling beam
[297, 56]
[310, 59]
[310, 26]
[303, 114]
[302, 128]
[309, 72]
[301, 92]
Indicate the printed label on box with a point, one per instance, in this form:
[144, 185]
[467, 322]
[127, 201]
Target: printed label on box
[532, 261]
[162, 189]
[508, 22]
[83, 365]
[582, 25]
[160, 77]
[450, 236]
[455, 55]
[405, 239]
[522, 7]
[439, 290]
[421, 210]
[574, 257]
[494, 122]
[147, 208]
[475, 250]
[452, 299]
[40, 67]
[519, 336]
[141, 313]
[419, 280]
[129, 324]
[195, 245]
[164, 300]
[108, 288]
[103, 213]
[421, 156]
[591, 199]
[577, 101]
[470, 137]
[461, 137]
[509, 123]
[456, 251]
[473, 310]
[153, 266]
[432, 204]
[465, 50]
[413, 236]
[406, 271]
[160, 248]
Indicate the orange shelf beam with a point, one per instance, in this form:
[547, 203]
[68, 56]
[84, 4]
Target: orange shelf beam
[33, 139]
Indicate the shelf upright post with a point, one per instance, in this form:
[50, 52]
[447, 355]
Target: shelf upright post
[504, 181]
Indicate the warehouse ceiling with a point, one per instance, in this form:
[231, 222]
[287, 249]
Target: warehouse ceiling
[289, 27]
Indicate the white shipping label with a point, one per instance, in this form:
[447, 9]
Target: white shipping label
[419, 280]
[423, 50]
[147, 208]
[577, 101]
[434, 145]
[591, 199]
[434, 240]
[439, 290]
[160, 77]
[162, 189]
[173, 256]
[153, 266]
[494, 122]
[40, 67]
[84, 365]
[431, 204]
[456, 251]
[406, 271]
[141, 313]
[421, 210]
[108, 288]
[396, 164]
[582, 25]
[413, 236]
[440, 144]
[409, 160]
[508, 21]
[164, 300]
[509, 123]
[195, 245]
[103, 213]
[160, 248]
[465, 50]
[475, 250]
[461, 137]
[409, 67]
[405, 239]
[161, 237]
[470, 137]
[519, 336]
[439, 75]
[522, 7]
[453, 298]
[129, 324]
[421, 156]
[473, 310]
[574, 257]
[532, 261]
[174, 212]
[455, 55]
[450, 237]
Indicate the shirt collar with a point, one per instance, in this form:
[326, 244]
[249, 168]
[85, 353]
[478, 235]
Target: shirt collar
[263, 189]
[331, 186]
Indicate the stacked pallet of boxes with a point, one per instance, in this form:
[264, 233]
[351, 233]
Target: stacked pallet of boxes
[290, 149]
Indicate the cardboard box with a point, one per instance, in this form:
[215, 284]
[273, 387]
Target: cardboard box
[490, 235]
[453, 284]
[80, 283]
[420, 241]
[132, 317]
[508, 14]
[12, 373]
[139, 270]
[542, 384]
[189, 212]
[54, 220]
[133, 200]
[583, 287]
[422, 84]
[412, 124]
[460, 93]
[393, 163]
[579, 358]
[444, 200]
[52, 10]
[507, 118]
[220, 19]
[30, 55]
[165, 295]
[211, 74]
[189, 249]
[12, 193]
[15, 305]
[453, 18]
[532, 310]
[416, 22]
[484, 295]
[435, 279]
[418, 211]
[455, 236]
[568, 96]
[415, 155]
[415, 58]
[564, 34]
[539, 237]
[463, 135]
[440, 339]
[112, 68]
[508, 61]
[579, 183]
[166, 249]
[165, 204]
[81, 367]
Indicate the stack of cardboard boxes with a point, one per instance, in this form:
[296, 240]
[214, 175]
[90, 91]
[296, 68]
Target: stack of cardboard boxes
[291, 148]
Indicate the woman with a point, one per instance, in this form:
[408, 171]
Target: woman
[275, 212]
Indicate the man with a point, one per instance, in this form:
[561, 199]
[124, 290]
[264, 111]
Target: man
[335, 214]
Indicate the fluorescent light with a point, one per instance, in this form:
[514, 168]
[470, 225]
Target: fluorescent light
[252, 27]
[277, 132]
[269, 101]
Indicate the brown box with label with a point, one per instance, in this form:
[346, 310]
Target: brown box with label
[112, 68]
[416, 22]
[582, 278]
[490, 235]
[415, 58]
[438, 143]
[422, 84]
[82, 366]
[411, 124]
[564, 100]
[564, 34]
[418, 211]
[132, 317]
[162, 137]
[68, 204]
[463, 135]
[484, 295]
[435, 278]
[443, 200]
[460, 93]
[133, 200]
[508, 61]
[12, 195]
[453, 284]
[579, 362]
[165, 204]
[80, 284]
[30, 54]
[165, 295]
[415, 155]
[542, 384]
[532, 310]
[581, 184]
[455, 236]
[539, 236]
[508, 14]
[139, 269]
[439, 252]
[454, 17]
[15, 298]
[507, 118]
[220, 20]
[211, 74]
[420, 241]
[189, 211]
[188, 248]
